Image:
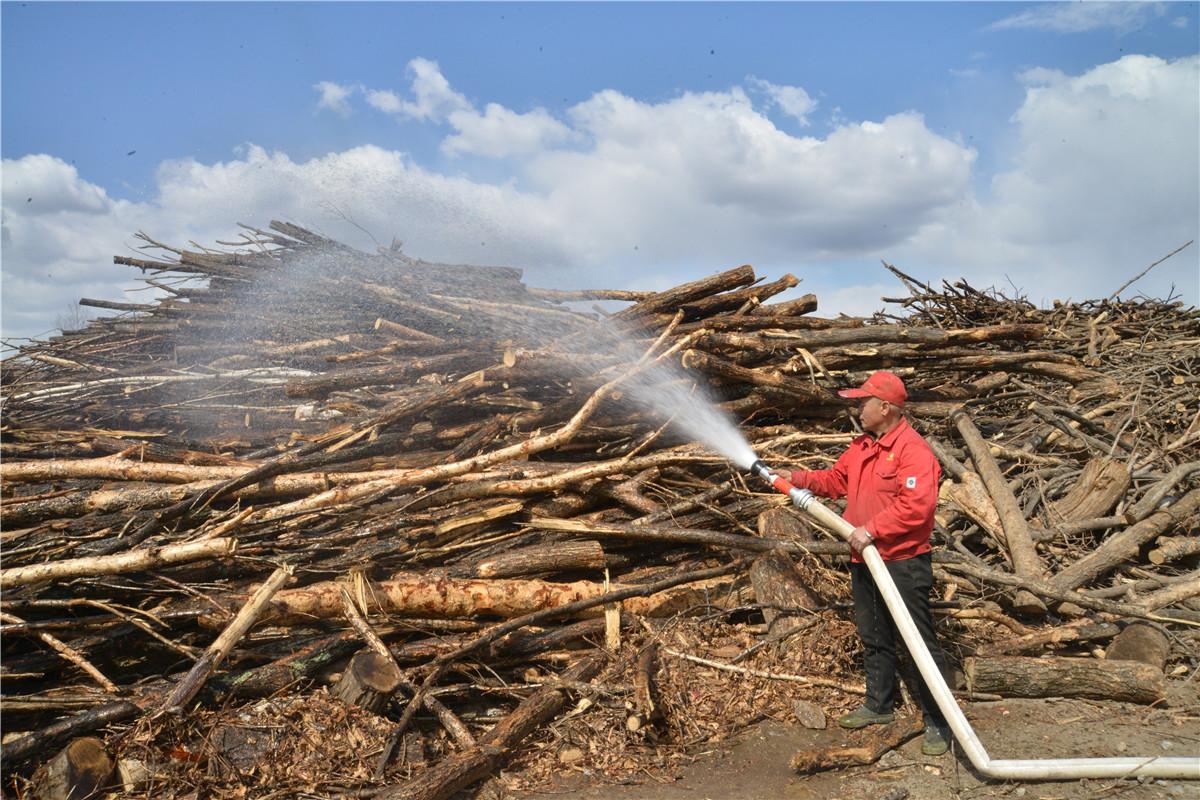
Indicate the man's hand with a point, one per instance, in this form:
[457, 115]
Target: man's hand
[859, 539]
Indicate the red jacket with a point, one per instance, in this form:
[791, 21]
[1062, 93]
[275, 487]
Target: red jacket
[892, 489]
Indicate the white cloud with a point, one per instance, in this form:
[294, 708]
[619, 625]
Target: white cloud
[1179, 22]
[625, 193]
[334, 97]
[500, 133]
[791, 100]
[1103, 183]
[1080, 17]
[384, 100]
[433, 98]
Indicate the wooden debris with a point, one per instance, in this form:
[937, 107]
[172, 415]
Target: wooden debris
[872, 744]
[457, 454]
[368, 681]
[1054, 676]
[81, 769]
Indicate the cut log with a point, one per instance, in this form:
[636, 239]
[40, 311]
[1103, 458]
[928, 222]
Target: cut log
[688, 292]
[1100, 487]
[1142, 642]
[557, 557]
[971, 496]
[1173, 548]
[779, 587]
[788, 308]
[81, 769]
[133, 561]
[870, 746]
[1054, 676]
[646, 712]
[368, 681]
[423, 596]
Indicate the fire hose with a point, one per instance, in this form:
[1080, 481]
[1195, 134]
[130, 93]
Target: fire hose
[1002, 769]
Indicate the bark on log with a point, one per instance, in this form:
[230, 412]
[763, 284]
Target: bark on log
[1120, 546]
[82, 769]
[133, 561]
[1017, 539]
[1142, 642]
[873, 743]
[646, 712]
[447, 598]
[459, 771]
[801, 305]
[18, 749]
[803, 393]
[778, 583]
[688, 292]
[1063, 634]
[1173, 548]
[368, 681]
[1174, 593]
[1100, 487]
[557, 557]
[1054, 676]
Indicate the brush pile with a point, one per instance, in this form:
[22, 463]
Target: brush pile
[246, 524]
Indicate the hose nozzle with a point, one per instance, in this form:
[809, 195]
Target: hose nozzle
[800, 497]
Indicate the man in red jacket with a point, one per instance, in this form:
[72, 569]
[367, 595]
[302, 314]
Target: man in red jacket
[890, 479]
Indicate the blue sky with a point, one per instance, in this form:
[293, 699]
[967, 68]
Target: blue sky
[611, 144]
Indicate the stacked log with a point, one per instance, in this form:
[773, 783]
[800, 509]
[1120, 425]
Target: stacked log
[441, 464]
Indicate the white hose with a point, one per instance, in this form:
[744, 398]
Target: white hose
[1003, 769]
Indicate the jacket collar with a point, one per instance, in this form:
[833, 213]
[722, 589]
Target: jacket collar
[889, 438]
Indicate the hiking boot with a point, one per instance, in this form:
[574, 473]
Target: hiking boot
[862, 716]
[936, 742]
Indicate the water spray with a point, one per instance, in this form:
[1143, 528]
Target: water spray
[1001, 769]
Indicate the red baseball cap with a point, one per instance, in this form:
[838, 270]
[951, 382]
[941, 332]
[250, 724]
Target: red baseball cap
[884, 385]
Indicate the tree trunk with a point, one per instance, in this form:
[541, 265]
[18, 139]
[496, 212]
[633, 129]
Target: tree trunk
[368, 681]
[1017, 676]
[1142, 642]
[411, 595]
[1017, 540]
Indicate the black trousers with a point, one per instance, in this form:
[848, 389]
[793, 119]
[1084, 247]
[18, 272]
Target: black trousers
[914, 579]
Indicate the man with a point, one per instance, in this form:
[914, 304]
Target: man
[890, 478]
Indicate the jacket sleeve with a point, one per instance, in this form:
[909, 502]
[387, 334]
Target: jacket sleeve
[916, 496]
[825, 482]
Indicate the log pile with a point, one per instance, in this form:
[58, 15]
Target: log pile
[411, 506]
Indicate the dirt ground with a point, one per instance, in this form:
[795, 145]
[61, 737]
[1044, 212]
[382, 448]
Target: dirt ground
[754, 765]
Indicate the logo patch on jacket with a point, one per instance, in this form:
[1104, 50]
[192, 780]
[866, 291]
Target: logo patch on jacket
[911, 482]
